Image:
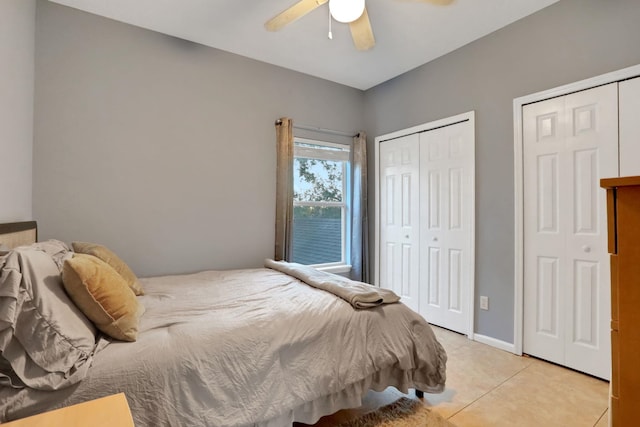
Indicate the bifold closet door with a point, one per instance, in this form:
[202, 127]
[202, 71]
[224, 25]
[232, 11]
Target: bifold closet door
[446, 203]
[399, 217]
[569, 143]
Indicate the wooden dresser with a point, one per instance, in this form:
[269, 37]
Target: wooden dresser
[623, 211]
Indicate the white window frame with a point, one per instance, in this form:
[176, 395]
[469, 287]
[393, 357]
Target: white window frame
[339, 156]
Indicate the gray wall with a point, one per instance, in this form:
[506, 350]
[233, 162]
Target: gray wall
[162, 149]
[17, 28]
[566, 42]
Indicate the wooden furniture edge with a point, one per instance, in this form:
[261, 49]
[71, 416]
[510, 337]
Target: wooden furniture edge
[619, 182]
[103, 411]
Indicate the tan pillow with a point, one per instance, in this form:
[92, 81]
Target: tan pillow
[113, 260]
[103, 296]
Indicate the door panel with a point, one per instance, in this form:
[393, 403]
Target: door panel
[593, 149]
[547, 193]
[544, 272]
[455, 198]
[569, 143]
[399, 233]
[446, 168]
[434, 277]
[547, 297]
[455, 279]
[585, 300]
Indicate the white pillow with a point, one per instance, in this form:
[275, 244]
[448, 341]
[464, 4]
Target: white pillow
[44, 337]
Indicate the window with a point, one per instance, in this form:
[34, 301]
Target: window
[320, 208]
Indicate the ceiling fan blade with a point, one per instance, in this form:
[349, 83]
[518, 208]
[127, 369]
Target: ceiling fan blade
[296, 11]
[362, 33]
[436, 2]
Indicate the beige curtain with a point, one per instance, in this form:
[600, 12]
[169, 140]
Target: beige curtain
[284, 189]
[359, 215]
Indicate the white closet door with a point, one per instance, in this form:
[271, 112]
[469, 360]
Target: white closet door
[630, 127]
[543, 137]
[446, 194]
[569, 144]
[399, 218]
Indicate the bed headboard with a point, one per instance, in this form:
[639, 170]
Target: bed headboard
[15, 234]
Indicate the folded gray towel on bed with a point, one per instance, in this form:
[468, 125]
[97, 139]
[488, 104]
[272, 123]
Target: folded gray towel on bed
[358, 294]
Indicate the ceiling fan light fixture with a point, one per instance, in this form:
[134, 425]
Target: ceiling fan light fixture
[346, 11]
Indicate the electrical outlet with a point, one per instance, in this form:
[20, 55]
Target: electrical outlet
[484, 303]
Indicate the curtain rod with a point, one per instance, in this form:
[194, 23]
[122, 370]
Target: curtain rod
[322, 130]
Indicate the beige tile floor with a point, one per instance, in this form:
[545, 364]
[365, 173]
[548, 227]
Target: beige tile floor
[490, 387]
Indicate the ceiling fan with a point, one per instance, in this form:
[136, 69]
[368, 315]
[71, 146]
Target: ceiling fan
[352, 12]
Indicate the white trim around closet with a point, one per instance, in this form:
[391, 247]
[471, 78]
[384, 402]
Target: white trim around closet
[518, 103]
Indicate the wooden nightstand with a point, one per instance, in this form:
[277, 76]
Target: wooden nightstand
[110, 411]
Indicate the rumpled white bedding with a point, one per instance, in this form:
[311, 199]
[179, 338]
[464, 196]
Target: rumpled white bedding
[250, 348]
[46, 342]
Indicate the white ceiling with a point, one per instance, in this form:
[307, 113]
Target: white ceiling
[408, 34]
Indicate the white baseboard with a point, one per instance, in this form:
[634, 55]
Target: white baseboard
[493, 342]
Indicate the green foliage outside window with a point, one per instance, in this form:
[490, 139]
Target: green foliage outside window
[318, 181]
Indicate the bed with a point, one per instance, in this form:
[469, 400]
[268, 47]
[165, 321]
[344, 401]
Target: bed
[253, 347]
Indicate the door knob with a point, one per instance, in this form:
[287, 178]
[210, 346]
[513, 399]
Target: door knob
[406, 236]
[435, 239]
[586, 248]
